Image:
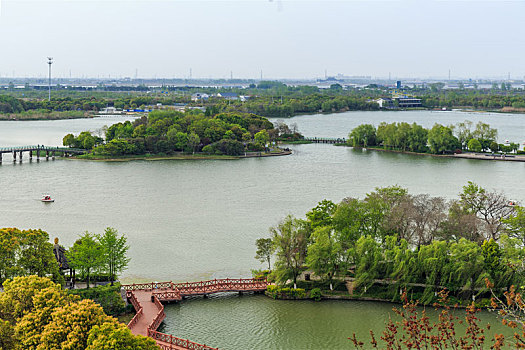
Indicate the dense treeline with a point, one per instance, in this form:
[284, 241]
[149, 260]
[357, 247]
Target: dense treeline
[314, 103]
[269, 99]
[391, 240]
[167, 132]
[439, 139]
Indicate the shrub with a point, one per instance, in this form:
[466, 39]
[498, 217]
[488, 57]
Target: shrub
[277, 292]
[315, 294]
[107, 296]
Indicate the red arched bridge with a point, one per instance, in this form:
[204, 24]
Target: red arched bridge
[39, 150]
[147, 297]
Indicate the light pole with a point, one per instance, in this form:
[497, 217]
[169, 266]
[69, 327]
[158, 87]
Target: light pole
[49, 62]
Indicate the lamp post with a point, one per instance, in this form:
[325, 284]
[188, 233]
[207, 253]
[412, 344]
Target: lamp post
[49, 62]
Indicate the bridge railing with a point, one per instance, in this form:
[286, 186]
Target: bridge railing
[148, 286]
[218, 285]
[138, 308]
[175, 341]
[168, 295]
[41, 148]
[159, 317]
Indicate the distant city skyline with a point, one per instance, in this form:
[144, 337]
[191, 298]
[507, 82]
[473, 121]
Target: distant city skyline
[403, 39]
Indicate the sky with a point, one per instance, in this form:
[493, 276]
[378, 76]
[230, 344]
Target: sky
[283, 39]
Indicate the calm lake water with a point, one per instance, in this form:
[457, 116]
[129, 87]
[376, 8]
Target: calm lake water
[199, 219]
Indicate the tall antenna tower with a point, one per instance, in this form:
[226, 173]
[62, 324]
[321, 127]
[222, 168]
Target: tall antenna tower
[261, 74]
[449, 75]
[49, 62]
[190, 73]
[231, 75]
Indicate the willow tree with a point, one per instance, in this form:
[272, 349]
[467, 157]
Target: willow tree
[290, 238]
[324, 254]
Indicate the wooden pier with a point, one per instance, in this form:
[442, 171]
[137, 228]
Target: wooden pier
[18, 152]
[325, 140]
[147, 300]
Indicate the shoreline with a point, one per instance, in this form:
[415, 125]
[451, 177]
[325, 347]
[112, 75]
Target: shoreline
[467, 155]
[182, 157]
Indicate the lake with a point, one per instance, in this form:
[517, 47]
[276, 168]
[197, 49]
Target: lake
[199, 219]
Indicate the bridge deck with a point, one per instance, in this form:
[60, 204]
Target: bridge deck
[150, 312]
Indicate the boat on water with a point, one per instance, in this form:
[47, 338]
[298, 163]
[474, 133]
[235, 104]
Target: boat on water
[47, 198]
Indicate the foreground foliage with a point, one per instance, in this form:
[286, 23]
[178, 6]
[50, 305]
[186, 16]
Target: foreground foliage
[36, 313]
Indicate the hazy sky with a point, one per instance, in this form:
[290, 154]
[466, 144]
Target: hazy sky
[284, 39]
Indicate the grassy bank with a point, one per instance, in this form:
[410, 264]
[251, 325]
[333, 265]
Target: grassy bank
[45, 115]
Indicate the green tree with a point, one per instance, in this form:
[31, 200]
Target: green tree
[364, 135]
[324, 254]
[492, 259]
[68, 140]
[114, 252]
[262, 138]
[27, 252]
[290, 238]
[485, 134]
[181, 140]
[515, 225]
[441, 139]
[417, 138]
[367, 257]
[474, 145]
[116, 336]
[193, 141]
[86, 254]
[463, 132]
[321, 215]
[265, 250]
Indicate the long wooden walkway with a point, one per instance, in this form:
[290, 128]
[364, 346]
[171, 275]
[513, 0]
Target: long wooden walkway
[49, 151]
[146, 299]
[325, 140]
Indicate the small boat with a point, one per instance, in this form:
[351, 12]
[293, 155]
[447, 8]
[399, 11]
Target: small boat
[512, 203]
[46, 198]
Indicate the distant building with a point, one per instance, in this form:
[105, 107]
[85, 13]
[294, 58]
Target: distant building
[199, 96]
[228, 95]
[385, 103]
[398, 84]
[110, 110]
[408, 102]
[399, 102]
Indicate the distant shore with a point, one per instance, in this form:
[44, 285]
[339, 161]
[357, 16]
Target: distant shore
[466, 155]
[38, 115]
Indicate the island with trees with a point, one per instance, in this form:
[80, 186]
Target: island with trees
[438, 140]
[193, 134]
